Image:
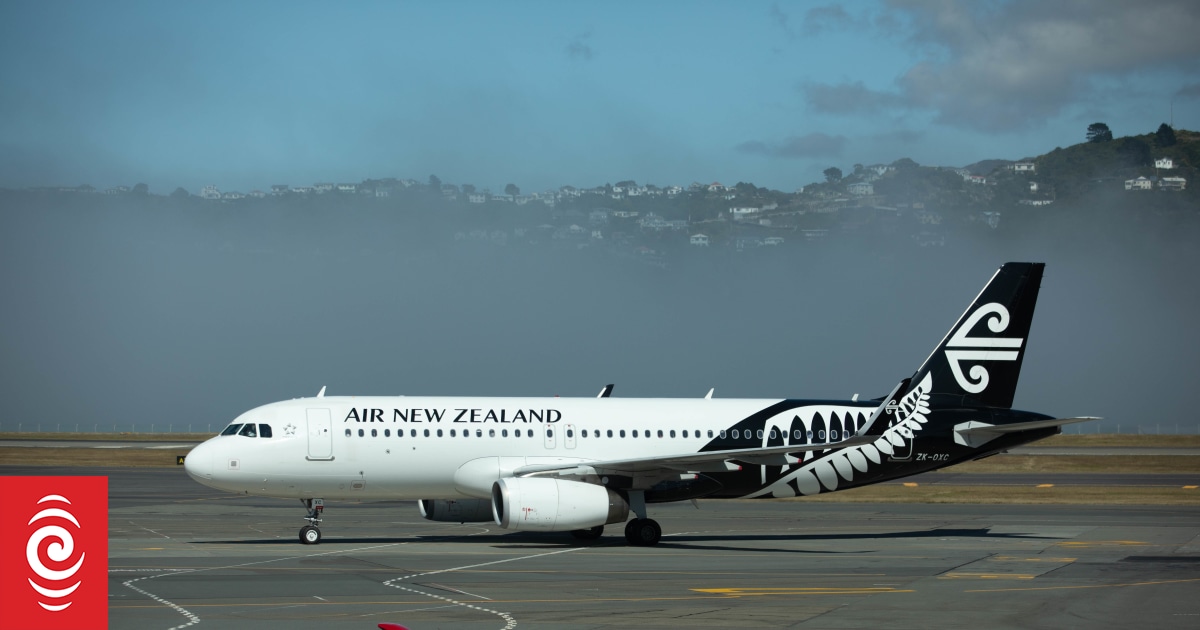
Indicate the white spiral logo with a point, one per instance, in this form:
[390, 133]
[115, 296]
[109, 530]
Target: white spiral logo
[59, 551]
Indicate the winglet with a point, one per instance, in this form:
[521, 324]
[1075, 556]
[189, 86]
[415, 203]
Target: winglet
[708, 396]
[606, 392]
[876, 427]
[321, 394]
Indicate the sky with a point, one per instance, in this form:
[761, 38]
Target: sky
[544, 94]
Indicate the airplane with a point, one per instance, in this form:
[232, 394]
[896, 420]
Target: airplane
[578, 464]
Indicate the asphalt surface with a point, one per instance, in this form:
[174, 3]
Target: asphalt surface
[182, 554]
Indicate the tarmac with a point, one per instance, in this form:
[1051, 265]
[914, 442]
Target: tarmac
[181, 554]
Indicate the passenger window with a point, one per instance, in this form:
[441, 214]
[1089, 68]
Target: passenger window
[387, 433]
[347, 432]
[465, 433]
[583, 433]
[610, 433]
[736, 434]
[635, 433]
[760, 432]
[570, 433]
[796, 434]
[772, 434]
[622, 432]
[426, 432]
[710, 433]
[672, 432]
[374, 432]
[685, 433]
[360, 433]
[413, 433]
[660, 433]
[478, 432]
[833, 435]
[821, 434]
[231, 429]
[503, 432]
[549, 433]
[809, 435]
[722, 434]
[439, 433]
[491, 433]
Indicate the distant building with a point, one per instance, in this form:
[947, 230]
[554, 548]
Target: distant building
[210, 192]
[861, 188]
[279, 189]
[1141, 183]
[1164, 163]
[992, 219]
[347, 188]
[476, 198]
[1024, 167]
[257, 194]
[773, 241]
[1172, 183]
[1033, 186]
[743, 211]
[699, 240]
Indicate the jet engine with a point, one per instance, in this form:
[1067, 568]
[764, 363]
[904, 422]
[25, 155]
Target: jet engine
[538, 504]
[456, 510]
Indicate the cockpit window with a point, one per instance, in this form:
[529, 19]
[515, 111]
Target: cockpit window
[264, 430]
[231, 429]
[248, 431]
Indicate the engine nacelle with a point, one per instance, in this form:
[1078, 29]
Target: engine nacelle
[456, 510]
[538, 504]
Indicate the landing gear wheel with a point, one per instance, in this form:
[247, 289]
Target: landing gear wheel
[643, 532]
[310, 535]
[592, 533]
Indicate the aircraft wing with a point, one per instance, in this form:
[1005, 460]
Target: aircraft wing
[716, 460]
[771, 455]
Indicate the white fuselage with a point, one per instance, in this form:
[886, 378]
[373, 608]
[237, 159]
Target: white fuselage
[408, 448]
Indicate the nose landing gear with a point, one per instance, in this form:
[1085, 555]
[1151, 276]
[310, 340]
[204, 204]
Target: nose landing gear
[310, 534]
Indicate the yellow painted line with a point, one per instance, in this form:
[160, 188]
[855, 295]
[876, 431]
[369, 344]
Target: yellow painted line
[816, 590]
[1016, 559]
[1057, 588]
[1045, 485]
[986, 576]
[1100, 543]
[1190, 487]
[910, 484]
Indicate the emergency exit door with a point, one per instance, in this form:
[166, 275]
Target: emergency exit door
[320, 435]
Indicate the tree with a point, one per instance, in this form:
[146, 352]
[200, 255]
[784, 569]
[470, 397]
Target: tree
[1165, 135]
[1098, 132]
[858, 169]
[512, 189]
[435, 182]
[469, 189]
[628, 183]
[180, 193]
[141, 189]
[1134, 152]
[833, 174]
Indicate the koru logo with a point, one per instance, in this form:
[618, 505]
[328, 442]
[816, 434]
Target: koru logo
[981, 348]
[61, 550]
[54, 550]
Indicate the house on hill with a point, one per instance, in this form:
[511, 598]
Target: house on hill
[1141, 183]
[1172, 183]
[699, 240]
[1164, 163]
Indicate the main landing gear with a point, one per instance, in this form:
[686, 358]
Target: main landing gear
[641, 531]
[310, 534]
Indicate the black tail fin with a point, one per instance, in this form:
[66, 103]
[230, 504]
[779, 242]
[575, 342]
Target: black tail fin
[980, 358]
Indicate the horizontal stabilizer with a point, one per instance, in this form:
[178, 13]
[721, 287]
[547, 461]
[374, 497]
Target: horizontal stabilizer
[976, 433]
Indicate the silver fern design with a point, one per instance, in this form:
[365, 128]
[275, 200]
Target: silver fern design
[833, 467]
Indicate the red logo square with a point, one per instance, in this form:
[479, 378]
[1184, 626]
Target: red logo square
[54, 553]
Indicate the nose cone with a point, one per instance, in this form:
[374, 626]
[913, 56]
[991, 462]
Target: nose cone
[199, 462]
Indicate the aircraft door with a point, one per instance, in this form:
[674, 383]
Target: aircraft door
[569, 436]
[551, 436]
[320, 435]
